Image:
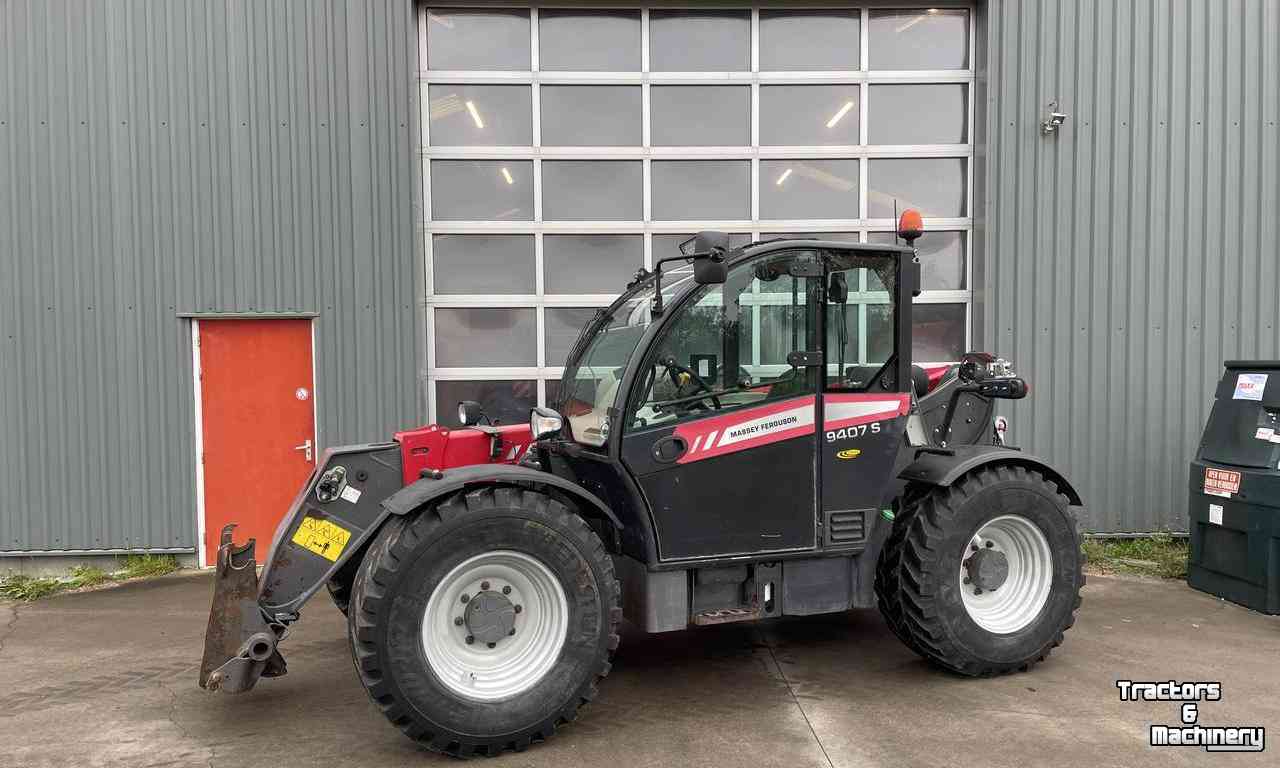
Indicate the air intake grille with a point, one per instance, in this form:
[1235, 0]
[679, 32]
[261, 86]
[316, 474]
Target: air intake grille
[846, 526]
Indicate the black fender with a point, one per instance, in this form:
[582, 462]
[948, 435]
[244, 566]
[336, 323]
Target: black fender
[943, 467]
[422, 492]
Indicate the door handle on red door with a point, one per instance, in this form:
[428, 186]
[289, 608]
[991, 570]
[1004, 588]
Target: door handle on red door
[669, 448]
[304, 447]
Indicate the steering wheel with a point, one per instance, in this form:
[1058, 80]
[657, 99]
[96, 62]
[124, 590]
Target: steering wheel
[674, 370]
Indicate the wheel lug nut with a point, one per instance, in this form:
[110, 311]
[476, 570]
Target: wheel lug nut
[470, 639]
[966, 579]
[506, 590]
[977, 590]
[465, 598]
[493, 645]
[484, 586]
[457, 622]
[990, 544]
[519, 609]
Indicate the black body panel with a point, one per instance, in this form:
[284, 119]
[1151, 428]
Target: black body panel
[970, 413]
[611, 482]
[757, 500]
[819, 585]
[293, 573]
[856, 487]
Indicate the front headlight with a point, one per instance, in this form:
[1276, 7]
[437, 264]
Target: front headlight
[544, 422]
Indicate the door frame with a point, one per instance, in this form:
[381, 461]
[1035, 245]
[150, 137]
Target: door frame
[197, 393]
[645, 348]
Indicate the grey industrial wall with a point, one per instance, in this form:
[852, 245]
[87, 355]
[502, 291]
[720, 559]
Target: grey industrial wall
[159, 158]
[1128, 256]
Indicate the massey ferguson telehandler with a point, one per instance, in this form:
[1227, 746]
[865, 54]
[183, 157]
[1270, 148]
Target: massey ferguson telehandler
[710, 458]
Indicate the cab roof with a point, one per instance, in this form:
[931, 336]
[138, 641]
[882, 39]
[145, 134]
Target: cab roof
[783, 243]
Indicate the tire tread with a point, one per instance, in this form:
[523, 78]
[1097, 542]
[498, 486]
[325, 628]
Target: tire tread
[904, 573]
[392, 550]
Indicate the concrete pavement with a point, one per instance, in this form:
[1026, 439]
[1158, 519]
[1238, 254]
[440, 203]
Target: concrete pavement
[109, 679]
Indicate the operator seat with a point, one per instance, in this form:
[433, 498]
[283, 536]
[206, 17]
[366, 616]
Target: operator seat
[920, 379]
[860, 376]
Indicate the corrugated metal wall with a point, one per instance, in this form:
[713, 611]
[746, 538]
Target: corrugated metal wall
[1131, 254]
[159, 158]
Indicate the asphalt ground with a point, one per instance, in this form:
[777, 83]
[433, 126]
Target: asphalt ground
[108, 678]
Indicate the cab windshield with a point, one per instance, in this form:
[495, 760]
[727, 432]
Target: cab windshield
[599, 359]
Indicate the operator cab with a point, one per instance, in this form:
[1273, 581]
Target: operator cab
[741, 382]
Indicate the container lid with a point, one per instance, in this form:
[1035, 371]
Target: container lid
[1244, 425]
[1247, 364]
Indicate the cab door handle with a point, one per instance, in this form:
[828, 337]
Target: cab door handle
[669, 449]
[305, 447]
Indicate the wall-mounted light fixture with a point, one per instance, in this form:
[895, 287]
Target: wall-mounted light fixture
[1055, 119]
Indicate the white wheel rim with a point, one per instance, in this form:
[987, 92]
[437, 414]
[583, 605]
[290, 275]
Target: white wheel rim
[517, 662]
[1019, 600]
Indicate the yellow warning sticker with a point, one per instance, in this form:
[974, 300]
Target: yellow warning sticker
[849, 453]
[322, 537]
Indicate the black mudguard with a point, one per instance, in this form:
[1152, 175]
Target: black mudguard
[944, 466]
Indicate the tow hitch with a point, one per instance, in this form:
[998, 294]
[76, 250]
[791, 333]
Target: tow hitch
[240, 643]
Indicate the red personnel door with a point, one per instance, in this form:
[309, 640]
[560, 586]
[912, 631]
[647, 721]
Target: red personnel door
[257, 418]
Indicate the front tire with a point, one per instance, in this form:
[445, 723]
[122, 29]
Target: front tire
[486, 622]
[340, 593]
[983, 577]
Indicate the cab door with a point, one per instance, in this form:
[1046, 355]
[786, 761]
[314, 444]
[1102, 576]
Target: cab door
[863, 413]
[720, 426]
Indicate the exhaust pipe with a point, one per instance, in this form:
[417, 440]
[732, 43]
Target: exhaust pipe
[240, 642]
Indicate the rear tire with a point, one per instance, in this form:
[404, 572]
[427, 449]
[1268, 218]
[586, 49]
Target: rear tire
[478, 676]
[887, 569]
[923, 577]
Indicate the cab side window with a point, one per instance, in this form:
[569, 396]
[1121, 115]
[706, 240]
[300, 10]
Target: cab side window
[860, 314]
[728, 348]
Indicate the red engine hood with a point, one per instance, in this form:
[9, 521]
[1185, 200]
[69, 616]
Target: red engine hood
[436, 447]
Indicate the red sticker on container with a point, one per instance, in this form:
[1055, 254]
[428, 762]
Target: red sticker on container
[1221, 482]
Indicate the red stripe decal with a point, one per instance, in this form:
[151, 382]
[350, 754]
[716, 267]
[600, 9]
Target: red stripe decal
[748, 428]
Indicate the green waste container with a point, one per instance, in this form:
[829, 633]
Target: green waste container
[1235, 490]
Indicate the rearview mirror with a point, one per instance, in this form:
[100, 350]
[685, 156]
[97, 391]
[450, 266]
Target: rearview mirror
[710, 269]
[706, 250]
[544, 422]
[708, 257]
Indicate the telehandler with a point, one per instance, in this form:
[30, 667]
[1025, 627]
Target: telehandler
[740, 436]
